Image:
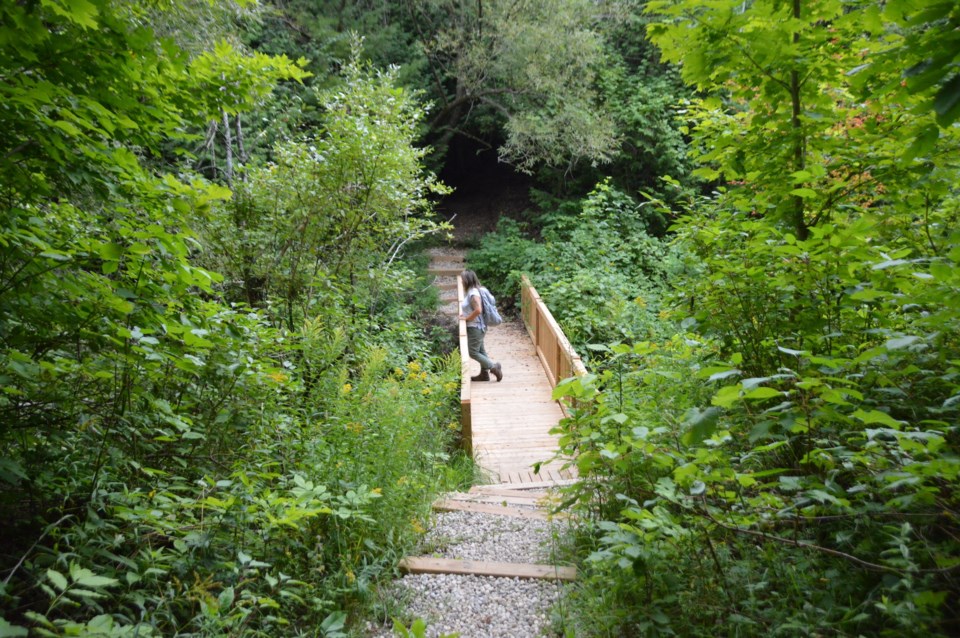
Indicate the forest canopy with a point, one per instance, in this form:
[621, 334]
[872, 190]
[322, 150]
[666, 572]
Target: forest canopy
[226, 401]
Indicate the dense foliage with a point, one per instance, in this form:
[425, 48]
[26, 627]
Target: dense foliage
[221, 413]
[596, 262]
[517, 77]
[176, 461]
[787, 463]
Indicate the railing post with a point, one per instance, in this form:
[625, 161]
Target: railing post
[466, 417]
[554, 350]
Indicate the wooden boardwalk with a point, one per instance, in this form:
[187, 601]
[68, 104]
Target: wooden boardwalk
[507, 426]
[511, 419]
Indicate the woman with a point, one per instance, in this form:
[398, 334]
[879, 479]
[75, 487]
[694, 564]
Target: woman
[471, 310]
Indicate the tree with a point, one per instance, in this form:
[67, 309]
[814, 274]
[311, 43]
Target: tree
[781, 129]
[342, 204]
[797, 437]
[101, 305]
[528, 66]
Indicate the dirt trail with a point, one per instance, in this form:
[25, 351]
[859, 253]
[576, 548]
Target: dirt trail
[477, 204]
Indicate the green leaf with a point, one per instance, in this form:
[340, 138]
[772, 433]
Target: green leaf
[225, 599]
[763, 393]
[726, 374]
[11, 631]
[947, 102]
[619, 417]
[923, 144]
[89, 579]
[59, 580]
[868, 294]
[67, 128]
[726, 396]
[81, 12]
[110, 251]
[86, 593]
[701, 423]
[334, 622]
[876, 416]
[901, 342]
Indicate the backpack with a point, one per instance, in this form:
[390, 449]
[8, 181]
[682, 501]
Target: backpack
[489, 312]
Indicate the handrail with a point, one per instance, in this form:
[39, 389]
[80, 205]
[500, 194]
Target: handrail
[559, 358]
[466, 418]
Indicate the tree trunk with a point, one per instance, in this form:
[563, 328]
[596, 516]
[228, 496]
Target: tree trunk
[241, 151]
[799, 142]
[228, 144]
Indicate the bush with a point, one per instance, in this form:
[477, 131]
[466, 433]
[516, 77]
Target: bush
[788, 470]
[597, 269]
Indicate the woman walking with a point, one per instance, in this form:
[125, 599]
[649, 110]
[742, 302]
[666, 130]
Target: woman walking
[471, 309]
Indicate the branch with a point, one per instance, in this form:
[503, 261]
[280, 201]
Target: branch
[832, 552]
[17, 149]
[46, 531]
[496, 106]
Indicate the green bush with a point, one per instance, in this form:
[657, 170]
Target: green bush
[596, 267]
[793, 470]
[175, 461]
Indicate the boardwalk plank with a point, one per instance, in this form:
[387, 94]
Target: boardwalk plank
[431, 565]
[505, 500]
[517, 492]
[449, 505]
[511, 420]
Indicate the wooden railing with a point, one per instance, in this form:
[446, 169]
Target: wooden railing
[556, 354]
[466, 420]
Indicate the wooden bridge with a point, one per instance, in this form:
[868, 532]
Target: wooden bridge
[506, 425]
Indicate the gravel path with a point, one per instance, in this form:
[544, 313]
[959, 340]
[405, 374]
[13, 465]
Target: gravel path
[477, 606]
[480, 606]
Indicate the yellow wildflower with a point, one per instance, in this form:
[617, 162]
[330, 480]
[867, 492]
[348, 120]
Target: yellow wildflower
[346, 388]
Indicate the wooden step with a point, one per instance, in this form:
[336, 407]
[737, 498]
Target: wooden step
[430, 565]
[445, 264]
[438, 258]
[444, 271]
[502, 490]
[449, 505]
[529, 485]
[502, 500]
